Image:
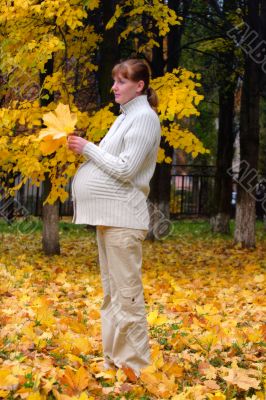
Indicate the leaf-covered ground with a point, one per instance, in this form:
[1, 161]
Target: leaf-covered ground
[205, 306]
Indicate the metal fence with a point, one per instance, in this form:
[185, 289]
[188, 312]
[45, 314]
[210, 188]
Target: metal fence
[192, 188]
[31, 198]
[191, 192]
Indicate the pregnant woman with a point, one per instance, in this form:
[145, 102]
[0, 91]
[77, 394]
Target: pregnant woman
[110, 191]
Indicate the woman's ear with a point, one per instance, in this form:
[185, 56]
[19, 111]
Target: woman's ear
[140, 86]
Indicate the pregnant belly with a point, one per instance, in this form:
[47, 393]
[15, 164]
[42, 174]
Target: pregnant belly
[91, 182]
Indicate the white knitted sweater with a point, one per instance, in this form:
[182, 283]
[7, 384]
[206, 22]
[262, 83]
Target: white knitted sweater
[112, 186]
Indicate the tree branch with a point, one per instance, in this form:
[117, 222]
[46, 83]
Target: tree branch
[202, 40]
[201, 51]
[215, 5]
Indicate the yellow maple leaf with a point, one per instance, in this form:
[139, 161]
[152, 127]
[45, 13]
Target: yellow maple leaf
[159, 384]
[260, 395]
[35, 396]
[75, 381]
[45, 316]
[110, 374]
[173, 369]
[216, 396]
[60, 123]
[208, 309]
[240, 377]
[50, 146]
[83, 396]
[75, 359]
[259, 278]
[7, 380]
[82, 345]
[154, 319]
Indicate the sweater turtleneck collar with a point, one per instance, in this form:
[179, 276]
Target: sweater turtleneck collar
[134, 104]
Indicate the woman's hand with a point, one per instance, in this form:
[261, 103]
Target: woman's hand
[76, 143]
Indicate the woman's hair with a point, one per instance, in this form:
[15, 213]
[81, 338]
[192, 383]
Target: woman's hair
[137, 70]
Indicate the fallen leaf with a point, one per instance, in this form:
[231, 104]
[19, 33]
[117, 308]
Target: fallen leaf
[211, 384]
[75, 382]
[129, 373]
[240, 378]
[7, 380]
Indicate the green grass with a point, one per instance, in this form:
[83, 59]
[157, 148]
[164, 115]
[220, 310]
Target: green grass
[191, 228]
[201, 229]
[34, 224]
[183, 228]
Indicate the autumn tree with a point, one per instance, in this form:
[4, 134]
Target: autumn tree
[228, 68]
[39, 32]
[231, 33]
[59, 31]
[249, 34]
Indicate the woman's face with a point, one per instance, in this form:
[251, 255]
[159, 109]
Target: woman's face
[125, 90]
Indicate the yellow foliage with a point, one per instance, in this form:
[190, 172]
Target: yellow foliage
[44, 329]
[183, 139]
[132, 11]
[99, 123]
[178, 96]
[38, 31]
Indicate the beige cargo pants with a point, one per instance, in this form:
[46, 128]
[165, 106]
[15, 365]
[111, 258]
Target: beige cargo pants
[124, 325]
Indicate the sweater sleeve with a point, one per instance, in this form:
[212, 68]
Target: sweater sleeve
[139, 140]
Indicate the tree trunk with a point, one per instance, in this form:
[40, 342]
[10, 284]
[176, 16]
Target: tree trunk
[108, 53]
[50, 212]
[226, 136]
[174, 37]
[249, 142]
[50, 217]
[159, 196]
[158, 63]
[223, 181]
[245, 220]
[263, 92]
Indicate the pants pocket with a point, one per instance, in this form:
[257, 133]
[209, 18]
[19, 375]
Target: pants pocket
[131, 297]
[124, 237]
